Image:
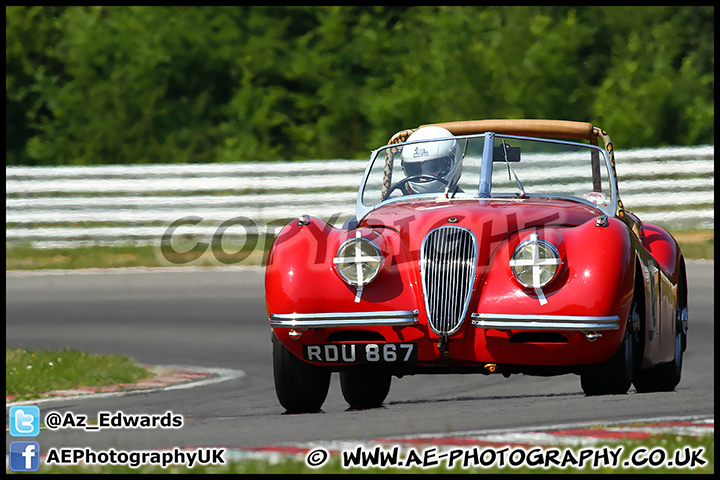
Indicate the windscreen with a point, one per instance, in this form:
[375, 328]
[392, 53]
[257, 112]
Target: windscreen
[531, 166]
[515, 167]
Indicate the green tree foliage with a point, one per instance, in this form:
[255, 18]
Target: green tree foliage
[113, 85]
[661, 77]
[31, 67]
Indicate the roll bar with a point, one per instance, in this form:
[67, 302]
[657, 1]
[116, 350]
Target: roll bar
[529, 128]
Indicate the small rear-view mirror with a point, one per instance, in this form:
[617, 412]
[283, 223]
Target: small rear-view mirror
[513, 153]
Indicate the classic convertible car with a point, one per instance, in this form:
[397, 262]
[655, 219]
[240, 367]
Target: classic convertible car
[489, 246]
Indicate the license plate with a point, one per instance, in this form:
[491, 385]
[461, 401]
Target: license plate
[361, 352]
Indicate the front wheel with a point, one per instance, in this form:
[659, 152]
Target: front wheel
[364, 387]
[615, 375]
[300, 387]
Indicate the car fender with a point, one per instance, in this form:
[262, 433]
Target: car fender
[596, 278]
[663, 269]
[664, 248]
[300, 276]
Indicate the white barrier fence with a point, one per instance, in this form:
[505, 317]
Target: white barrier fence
[136, 204]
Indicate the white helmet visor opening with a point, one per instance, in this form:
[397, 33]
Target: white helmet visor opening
[435, 167]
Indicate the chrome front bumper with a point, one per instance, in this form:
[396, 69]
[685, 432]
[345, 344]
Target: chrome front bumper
[393, 318]
[401, 318]
[500, 321]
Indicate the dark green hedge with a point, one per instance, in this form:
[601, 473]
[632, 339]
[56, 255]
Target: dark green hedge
[110, 85]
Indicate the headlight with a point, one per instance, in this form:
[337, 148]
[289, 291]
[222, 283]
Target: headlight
[535, 262]
[358, 261]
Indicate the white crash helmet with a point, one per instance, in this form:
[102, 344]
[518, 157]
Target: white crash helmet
[439, 159]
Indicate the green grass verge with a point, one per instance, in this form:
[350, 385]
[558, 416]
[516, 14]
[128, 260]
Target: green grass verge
[648, 451]
[29, 373]
[28, 258]
[695, 244]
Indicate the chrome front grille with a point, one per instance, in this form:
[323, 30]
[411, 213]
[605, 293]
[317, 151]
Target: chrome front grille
[447, 265]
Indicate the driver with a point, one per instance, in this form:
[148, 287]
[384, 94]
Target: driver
[429, 160]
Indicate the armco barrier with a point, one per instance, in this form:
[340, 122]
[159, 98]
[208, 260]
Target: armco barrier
[135, 204]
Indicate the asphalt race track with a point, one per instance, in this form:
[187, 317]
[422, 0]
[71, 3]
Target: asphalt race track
[217, 319]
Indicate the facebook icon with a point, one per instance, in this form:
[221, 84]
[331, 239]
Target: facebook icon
[24, 456]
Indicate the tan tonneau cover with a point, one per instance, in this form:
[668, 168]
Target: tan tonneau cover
[530, 128]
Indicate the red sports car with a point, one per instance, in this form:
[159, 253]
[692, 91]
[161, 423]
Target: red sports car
[489, 246]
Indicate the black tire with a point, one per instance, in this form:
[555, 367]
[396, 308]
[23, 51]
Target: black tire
[615, 375]
[300, 387]
[365, 387]
[665, 377]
